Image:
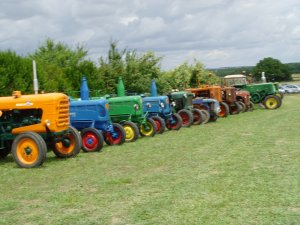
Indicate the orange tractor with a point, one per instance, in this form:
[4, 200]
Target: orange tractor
[214, 92]
[30, 123]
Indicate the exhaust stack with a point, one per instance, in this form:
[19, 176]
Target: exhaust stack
[35, 81]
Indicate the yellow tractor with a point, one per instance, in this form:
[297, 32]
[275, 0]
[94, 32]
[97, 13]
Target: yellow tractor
[32, 124]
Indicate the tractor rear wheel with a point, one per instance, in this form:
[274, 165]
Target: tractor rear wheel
[206, 116]
[235, 108]
[119, 138]
[160, 124]
[70, 144]
[131, 131]
[197, 116]
[187, 117]
[175, 123]
[148, 129]
[242, 106]
[224, 109]
[272, 102]
[29, 150]
[92, 140]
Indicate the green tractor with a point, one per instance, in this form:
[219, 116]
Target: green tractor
[264, 93]
[182, 102]
[128, 111]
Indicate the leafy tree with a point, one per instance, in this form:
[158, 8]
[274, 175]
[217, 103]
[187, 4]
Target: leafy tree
[60, 67]
[193, 75]
[273, 68]
[136, 70]
[16, 73]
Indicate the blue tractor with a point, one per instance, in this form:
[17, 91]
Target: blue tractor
[211, 106]
[160, 110]
[91, 118]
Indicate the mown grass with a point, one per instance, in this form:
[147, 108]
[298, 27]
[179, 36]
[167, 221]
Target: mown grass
[243, 169]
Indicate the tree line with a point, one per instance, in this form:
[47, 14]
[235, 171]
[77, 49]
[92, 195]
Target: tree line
[61, 67]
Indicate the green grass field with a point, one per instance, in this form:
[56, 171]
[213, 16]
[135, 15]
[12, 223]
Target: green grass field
[244, 169]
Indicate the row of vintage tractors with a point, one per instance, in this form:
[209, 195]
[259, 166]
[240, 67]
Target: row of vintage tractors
[33, 124]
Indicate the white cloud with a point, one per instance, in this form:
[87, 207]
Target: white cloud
[217, 32]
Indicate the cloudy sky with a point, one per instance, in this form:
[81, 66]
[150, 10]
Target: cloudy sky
[219, 33]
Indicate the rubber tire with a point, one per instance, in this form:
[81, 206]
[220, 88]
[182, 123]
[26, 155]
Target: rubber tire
[224, 109]
[250, 108]
[92, 133]
[234, 109]
[178, 123]
[75, 137]
[206, 116]
[128, 125]
[122, 135]
[197, 117]
[187, 117]
[213, 118]
[160, 124]
[150, 123]
[276, 98]
[242, 106]
[41, 148]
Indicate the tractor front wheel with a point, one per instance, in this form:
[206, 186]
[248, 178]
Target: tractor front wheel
[175, 123]
[69, 145]
[187, 117]
[160, 124]
[92, 140]
[118, 138]
[148, 129]
[131, 131]
[29, 150]
[272, 102]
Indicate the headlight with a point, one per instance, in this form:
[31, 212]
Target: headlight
[136, 107]
[185, 95]
[162, 105]
[149, 105]
[47, 123]
[173, 104]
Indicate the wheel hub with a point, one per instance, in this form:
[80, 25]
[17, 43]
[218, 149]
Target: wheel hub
[66, 142]
[28, 150]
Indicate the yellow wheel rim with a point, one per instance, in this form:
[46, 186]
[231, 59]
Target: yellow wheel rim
[129, 133]
[147, 132]
[66, 148]
[271, 103]
[27, 151]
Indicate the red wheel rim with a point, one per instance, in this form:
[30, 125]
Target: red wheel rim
[111, 140]
[223, 111]
[196, 117]
[158, 125]
[173, 126]
[185, 118]
[90, 141]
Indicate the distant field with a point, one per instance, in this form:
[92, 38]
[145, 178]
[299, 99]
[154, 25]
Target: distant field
[244, 169]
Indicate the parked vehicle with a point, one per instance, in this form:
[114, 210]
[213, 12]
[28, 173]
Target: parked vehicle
[30, 123]
[128, 111]
[183, 105]
[291, 88]
[265, 93]
[213, 92]
[159, 108]
[91, 118]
